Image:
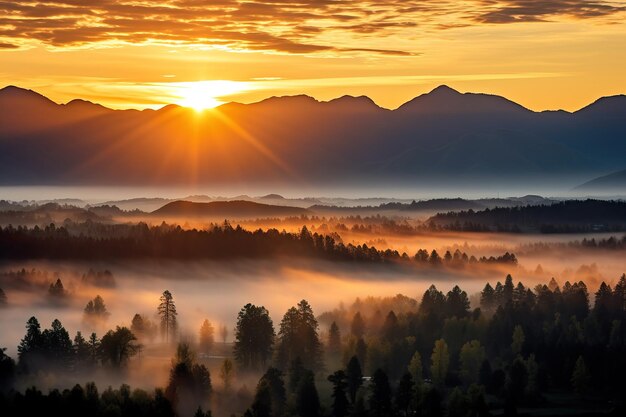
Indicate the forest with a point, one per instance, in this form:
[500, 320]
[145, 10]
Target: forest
[104, 241]
[549, 350]
[574, 216]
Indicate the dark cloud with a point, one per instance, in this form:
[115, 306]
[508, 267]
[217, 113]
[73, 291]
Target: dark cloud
[289, 26]
[511, 11]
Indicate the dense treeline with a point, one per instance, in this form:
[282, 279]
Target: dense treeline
[381, 357]
[87, 401]
[100, 241]
[562, 217]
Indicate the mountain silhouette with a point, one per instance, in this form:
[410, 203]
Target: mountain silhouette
[614, 182]
[223, 209]
[441, 137]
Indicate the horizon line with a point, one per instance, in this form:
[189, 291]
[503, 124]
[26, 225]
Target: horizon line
[208, 110]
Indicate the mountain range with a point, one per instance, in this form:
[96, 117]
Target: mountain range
[442, 137]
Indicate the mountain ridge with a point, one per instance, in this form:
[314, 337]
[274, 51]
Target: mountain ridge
[441, 90]
[441, 137]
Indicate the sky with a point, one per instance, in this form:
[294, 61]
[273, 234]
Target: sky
[557, 54]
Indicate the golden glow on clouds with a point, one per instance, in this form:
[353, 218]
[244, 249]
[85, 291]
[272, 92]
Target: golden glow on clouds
[122, 53]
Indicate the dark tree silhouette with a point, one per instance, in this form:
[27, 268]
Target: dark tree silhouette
[96, 309]
[206, 338]
[354, 377]
[307, 398]
[298, 338]
[334, 339]
[189, 385]
[357, 328]
[404, 394]
[380, 398]
[167, 313]
[254, 337]
[118, 346]
[340, 405]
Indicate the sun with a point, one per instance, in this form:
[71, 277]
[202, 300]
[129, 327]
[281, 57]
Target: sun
[203, 95]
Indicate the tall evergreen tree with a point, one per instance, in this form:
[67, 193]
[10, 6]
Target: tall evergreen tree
[254, 337]
[298, 338]
[334, 339]
[340, 405]
[354, 377]
[440, 362]
[167, 313]
[206, 338]
[380, 397]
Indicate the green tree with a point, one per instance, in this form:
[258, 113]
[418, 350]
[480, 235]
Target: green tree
[298, 338]
[440, 361]
[581, 379]
[254, 337]
[415, 367]
[518, 340]
[472, 356]
[167, 313]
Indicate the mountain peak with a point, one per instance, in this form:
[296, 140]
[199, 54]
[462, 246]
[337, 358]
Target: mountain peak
[444, 90]
[353, 102]
[446, 100]
[12, 92]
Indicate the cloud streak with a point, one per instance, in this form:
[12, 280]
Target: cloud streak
[283, 26]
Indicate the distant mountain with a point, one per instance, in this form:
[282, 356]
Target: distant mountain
[442, 137]
[611, 183]
[574, 216]
[226, 210]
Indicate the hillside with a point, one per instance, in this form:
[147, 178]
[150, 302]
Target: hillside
[611, 183]
[225, 209]
[563, 217]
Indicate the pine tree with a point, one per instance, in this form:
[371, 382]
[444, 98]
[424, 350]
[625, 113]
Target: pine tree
[334, 339]
[206, 336]
[440, 361]
[354, 377]
[357, 327]
[167, 313]
[404, 393]
[340, 403]
[380, 398]
[580, 379]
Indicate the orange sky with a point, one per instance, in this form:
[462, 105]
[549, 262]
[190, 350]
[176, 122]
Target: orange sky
[542, 54]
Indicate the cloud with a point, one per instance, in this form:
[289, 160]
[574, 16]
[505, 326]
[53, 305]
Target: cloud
[511, 11]
[284, 26]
